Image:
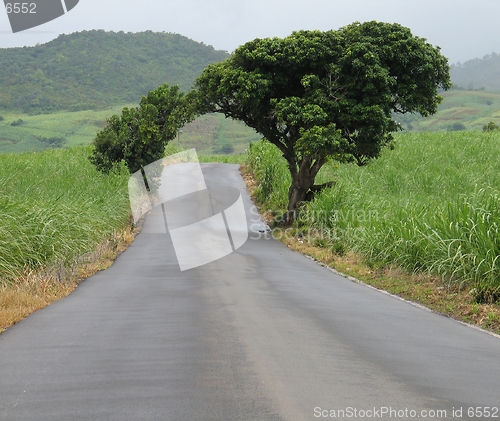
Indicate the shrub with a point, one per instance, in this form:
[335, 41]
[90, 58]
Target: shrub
[491, 126]
[17, 123]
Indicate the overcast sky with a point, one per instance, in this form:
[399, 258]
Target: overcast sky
[464, 29]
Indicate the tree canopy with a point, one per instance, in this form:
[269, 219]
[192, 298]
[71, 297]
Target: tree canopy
[140, 134]
[326, 95]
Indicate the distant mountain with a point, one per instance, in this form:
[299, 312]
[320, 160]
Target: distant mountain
[97, 69]
[477, 74]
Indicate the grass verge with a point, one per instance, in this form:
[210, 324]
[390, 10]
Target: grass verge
[34, 290]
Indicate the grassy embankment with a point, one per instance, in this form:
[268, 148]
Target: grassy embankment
[60, 222]
[422, 221]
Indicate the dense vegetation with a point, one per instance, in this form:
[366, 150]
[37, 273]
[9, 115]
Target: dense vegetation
[432, 205]
[478, 73]
[98, 69]
[55, 206]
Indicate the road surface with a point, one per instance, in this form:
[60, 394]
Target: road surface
[261, 334]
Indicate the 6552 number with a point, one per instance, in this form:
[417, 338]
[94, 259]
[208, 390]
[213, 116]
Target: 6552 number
[20, 8]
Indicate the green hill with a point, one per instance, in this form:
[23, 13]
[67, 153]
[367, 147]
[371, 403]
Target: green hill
[460, 110]
[477, 73]
[98, 69]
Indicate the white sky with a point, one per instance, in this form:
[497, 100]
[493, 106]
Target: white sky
[464, 29]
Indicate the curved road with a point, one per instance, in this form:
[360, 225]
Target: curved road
[261, 334]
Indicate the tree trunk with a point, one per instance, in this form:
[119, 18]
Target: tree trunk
[297, 192]
[302, 182]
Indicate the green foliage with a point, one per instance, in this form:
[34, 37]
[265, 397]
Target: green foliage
[18, 122]
[490, 127]
[78, 128]
[81, 127]
[55, 206]
[139, 135]
[326, 95]
[225, 159]
[172, 149]
[97, 69]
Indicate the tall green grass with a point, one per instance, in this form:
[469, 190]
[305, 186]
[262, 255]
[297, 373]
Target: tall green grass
[272, 175]
[432, 204]
[55, 206]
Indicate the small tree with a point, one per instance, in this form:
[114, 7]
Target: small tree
[139, 136]
[456, 127]
[490, 127]
[326, 95]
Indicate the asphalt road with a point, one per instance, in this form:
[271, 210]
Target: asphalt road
[261, 334]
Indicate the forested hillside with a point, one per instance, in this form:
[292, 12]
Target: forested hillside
[478, 73]
[97, 69]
